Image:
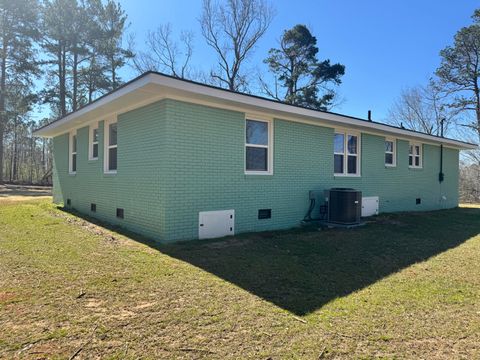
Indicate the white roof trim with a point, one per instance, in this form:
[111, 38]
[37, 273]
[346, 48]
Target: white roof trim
[168, 83]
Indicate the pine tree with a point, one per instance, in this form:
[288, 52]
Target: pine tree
[18, 32]
[305, 79]
[82, 41]
[57, 24]
[112, 23]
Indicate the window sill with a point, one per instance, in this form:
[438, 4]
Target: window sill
[390, 166]
[72, 173]
[347, 175]
[93, 159]
[110, 172]
[415, 167]
[261, 173]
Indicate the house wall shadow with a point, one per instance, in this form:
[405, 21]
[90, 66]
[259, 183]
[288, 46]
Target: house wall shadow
[303, 269]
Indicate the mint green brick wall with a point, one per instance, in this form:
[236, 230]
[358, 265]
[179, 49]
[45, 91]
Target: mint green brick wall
[176, 159]
[137, 186]
[209, 172]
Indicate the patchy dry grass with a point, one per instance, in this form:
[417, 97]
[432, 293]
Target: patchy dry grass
[407, 286]
[470, 206]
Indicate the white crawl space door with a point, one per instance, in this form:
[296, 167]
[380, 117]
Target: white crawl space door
[215, 224]
[369, 206]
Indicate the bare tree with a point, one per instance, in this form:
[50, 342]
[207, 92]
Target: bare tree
[469, 182]
[422, 108]
[28, 157]
[232, 30]
[460, 70]
[165, 54]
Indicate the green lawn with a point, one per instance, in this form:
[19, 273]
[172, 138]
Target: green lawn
[403, 286]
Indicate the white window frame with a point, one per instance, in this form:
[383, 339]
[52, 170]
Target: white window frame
[413, 155]
[269, 146]
[71, 135]
[91, 143]
[393, 152]
[345, 153]
[106, 146]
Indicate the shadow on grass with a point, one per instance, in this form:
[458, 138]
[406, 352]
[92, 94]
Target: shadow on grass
[301, 270]
[9, 190]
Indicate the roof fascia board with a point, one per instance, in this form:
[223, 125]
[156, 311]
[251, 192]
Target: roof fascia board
[128, 88]
[334, 119]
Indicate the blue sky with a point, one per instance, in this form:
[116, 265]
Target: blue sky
[385, 45]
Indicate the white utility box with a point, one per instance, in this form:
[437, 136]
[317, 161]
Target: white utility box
[369, 206]
[215, 224]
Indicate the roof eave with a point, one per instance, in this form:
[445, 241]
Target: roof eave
[192, 88]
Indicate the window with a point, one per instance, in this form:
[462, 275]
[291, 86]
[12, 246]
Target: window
[415, 155]
[346, 154]
[390, 152]
[339, 153]
[258, 148]
[110, 147]
[73, 153]
[93, 150]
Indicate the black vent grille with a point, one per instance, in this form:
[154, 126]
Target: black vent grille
[93, 207]
[264, 214]
[119, 213]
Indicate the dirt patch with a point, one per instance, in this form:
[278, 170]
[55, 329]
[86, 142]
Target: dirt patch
[123, 314]
[93, 303]
[387, 220]
[146, 305]
[227, 243]
[6, 297]
[90, 227]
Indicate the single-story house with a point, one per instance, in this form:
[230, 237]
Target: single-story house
[175, 160]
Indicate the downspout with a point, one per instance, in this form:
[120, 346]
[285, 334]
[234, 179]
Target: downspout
[441, 175]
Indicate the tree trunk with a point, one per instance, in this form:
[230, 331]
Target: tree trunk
[3, 115]
[114, 75]
[32, 158]
[14, 169]
[75, 80]
[290, 86]
[61, 78]
[90, 91]
[44, 160]
[11, 167]
[477, 106]
[90, 80]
